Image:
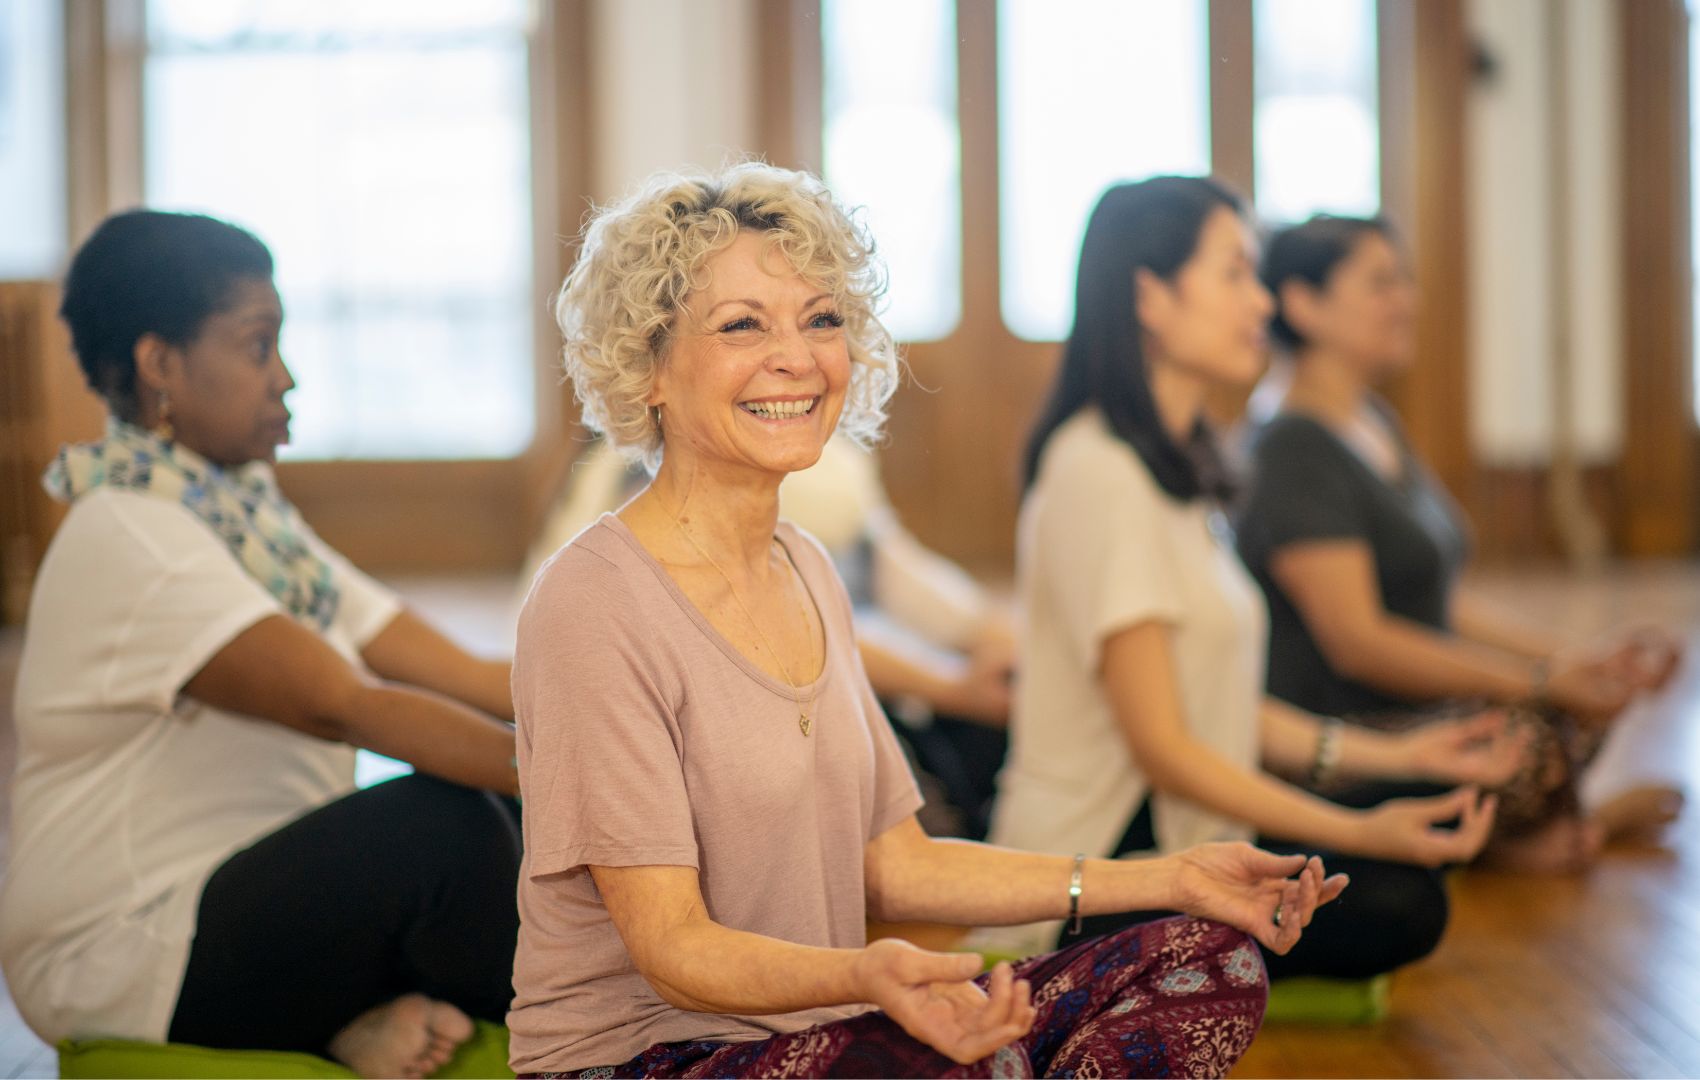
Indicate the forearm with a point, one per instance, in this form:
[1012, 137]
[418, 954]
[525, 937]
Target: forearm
[1292, 741]
[1400, 657]
[894, 675]
[1197, 773]
[702, 966]
[970, 884]
[409, 650]
[1483, 623]
[434, 734]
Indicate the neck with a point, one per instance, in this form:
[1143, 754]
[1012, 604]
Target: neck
[1327, 385]
[1179, 395]
[730, 515]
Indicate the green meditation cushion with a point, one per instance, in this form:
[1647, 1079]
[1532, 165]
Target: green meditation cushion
[484, 1055]
[1309, 1000]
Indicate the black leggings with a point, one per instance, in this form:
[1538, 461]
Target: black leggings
[1390, 915]
[405, 887]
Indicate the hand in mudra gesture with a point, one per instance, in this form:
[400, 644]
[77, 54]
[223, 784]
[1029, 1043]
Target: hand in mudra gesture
[933, 998]
[1247, 887]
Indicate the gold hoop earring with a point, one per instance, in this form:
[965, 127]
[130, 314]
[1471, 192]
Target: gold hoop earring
[163, 427]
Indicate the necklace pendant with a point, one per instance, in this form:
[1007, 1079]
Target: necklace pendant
[805, 723]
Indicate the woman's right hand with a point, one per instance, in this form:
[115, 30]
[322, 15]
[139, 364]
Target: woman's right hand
[932, 996]
[1410, 830]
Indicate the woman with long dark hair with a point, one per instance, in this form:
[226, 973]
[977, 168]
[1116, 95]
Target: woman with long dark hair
[1140, 723]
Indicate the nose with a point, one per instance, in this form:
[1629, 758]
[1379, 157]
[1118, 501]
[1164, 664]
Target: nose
[791, 354]
[281, 377]
[1265, 301]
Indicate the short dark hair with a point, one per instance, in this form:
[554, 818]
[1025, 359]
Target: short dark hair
[146, 271]
[1309, 252]
[1152, 225]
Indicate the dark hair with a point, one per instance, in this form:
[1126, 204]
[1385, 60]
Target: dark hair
[1153, 225]
[1309, 252]
[144, 271]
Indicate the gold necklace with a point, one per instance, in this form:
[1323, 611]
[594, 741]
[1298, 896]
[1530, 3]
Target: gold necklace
[804, 723]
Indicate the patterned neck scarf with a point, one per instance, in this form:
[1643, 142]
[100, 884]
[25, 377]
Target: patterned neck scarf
[242, 506]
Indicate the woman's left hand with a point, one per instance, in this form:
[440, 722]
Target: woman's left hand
[1253, 890]
[1485, 749]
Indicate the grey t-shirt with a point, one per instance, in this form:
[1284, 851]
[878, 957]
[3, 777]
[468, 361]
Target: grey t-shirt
[646, 738]
[1308, 485]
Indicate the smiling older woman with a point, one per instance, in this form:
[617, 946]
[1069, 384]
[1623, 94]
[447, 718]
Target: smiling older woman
[714, 803]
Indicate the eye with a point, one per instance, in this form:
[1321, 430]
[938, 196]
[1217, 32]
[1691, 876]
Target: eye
[262, 348]
[826, 320]
[736, 325]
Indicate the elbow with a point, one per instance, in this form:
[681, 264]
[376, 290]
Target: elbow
[1352, 653]
[333, 715]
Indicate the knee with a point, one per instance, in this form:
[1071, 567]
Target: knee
[1399, 919]
[456, 824]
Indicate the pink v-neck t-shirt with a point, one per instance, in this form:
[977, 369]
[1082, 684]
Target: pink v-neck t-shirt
[646, 739]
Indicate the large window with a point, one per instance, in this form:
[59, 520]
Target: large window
[381, 149]
[1089, 92]
[892, 148]
[1317, 139]
[32, 124]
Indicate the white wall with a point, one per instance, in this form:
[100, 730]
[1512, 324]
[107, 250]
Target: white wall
[674, 85]
[1509, 198]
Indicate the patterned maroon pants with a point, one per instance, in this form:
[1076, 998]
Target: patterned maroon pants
[1177, 997]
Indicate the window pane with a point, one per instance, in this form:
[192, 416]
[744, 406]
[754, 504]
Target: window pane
[32, 143]
[1090, 92]
[1317, 137]
[382, 151]
[893, 148]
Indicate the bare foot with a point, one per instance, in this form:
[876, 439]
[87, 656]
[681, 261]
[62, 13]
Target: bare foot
[1639, 814]
[410, 1037]
[1562, 846]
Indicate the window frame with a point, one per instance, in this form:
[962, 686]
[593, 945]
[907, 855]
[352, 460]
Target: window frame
[481, 513]
[952, 460]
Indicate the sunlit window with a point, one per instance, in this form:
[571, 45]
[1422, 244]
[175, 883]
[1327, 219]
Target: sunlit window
[892, 148]
[1090, 92]
[1317, 137]
[381, 149]
[32, 146]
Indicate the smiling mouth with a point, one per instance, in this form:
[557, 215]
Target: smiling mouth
[779, 410]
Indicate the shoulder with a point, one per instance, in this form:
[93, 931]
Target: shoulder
[596, 567]
[1290, 436]
[814, 563]
[1086, 463]
[132, 528]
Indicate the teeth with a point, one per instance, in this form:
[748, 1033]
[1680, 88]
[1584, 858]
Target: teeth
[779, 410]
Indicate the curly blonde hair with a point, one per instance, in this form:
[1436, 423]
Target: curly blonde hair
[643, 256]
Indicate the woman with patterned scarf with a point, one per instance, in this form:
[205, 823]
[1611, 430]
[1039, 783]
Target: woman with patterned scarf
[190, 859]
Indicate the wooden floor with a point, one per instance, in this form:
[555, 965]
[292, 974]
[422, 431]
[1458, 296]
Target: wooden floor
[1594, 976]
[1598, 976]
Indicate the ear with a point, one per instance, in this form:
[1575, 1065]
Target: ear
[155, 361]
[1153, 299]
[1300, 304]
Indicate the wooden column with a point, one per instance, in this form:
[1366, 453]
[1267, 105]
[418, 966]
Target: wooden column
[1656, 476]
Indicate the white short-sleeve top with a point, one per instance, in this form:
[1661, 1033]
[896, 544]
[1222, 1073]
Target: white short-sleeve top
[127, 794]
[1102, 548]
